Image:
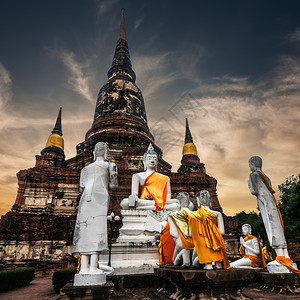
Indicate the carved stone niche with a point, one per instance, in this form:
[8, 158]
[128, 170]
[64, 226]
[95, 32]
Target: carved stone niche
[135, 164]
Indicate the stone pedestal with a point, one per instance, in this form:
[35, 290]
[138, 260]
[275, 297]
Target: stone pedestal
[89, 279]
[90, 292]
[133, 229]
[136, 258]
[275, 267]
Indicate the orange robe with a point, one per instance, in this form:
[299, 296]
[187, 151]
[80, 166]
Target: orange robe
[180, 219]
[166, 246]
[155, 186]
[256, 262]
[207, 237]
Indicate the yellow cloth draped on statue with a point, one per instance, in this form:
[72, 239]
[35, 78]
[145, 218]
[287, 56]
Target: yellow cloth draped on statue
[286, 261]
[256, 262]
[180, 219]
[155, 186]
[207, 237]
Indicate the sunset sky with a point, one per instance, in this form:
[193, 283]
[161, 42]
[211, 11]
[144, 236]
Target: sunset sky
[231, 67]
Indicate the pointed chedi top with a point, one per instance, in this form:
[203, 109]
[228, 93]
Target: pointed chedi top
[121, 65]
[57, 127]
[189, 147]
[188, 136]
[55, 142]
[122, 33]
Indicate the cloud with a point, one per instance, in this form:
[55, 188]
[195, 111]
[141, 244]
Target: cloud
[294, 36]
[153, 73]
[104, 6]
[78, 80]
[232, 119]
[137, 23]
[5, 86]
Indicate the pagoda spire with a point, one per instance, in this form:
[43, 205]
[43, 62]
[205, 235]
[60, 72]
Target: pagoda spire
[122, 33]
[190, 161]
[57, 128]
[189, 147]
[55, 142]
[188, 136]
[121, 65]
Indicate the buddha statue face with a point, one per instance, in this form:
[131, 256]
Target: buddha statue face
[100, 150]
[150, 158]
[184, 199]
[150, 162]
[255, 162]
[203, 198]
[246, 229]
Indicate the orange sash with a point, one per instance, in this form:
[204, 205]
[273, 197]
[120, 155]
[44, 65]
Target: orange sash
[265, 181]
[255, 261]
[155, 186]
[166, 246]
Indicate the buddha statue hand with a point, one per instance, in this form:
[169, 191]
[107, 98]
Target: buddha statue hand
[132, 199]
[242, 241]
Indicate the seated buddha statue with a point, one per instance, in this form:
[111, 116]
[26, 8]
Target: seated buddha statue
[155, 187]
[251, 249]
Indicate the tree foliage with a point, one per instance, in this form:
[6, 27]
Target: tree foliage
[289, 205]
[255, 221]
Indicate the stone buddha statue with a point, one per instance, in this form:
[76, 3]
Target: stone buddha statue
[179, 230]
[155, 187]
[90, 234]
[260, 186]
[251, 249]
[206, 227]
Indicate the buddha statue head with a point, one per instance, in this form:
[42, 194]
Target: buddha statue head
[246, 229]
[101, 149]
[203, 198]
[150, 158]
[184, 199]
[255, 163]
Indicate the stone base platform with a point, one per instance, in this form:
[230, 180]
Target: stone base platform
[104, 292]
[193, 283]
[89, 279]
[283, 283]
[133, 258]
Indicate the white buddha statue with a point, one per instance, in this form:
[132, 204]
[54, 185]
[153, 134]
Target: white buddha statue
[251, 249]
[155, 187]
[90, 234]
[260, 185]
[179, 230]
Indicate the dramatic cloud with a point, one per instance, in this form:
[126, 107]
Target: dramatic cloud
[137, 23]
[240, 120]
[5, 86]
[104, 6]
[153, 73]
[78, 80]
[294, 36]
